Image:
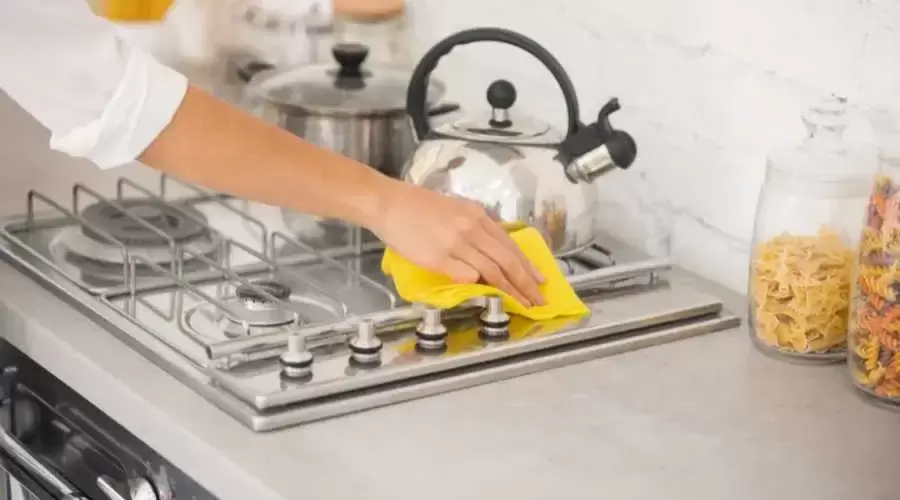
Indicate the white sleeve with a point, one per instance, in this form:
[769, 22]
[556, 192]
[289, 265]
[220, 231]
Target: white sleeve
[101, 98]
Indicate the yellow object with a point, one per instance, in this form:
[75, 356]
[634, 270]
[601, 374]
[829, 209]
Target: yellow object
[418, 285]
[135, 10]
[468, 339]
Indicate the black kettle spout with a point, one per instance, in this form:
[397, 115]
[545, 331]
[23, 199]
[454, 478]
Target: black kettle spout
[598, 148]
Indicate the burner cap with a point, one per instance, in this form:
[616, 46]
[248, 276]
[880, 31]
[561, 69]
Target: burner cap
[170, 220]
[249, 296]
[258, 310]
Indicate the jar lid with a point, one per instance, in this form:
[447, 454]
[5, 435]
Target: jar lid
[825, 154]
[886, 127]
[345, 87]
[369, 10]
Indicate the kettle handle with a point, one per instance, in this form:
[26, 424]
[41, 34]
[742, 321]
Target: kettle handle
[416, 92]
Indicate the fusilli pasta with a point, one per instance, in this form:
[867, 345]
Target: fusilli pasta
[875, 319]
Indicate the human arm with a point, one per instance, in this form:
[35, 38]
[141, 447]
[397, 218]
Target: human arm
[213, 144]
[111, 103]
[100, 98]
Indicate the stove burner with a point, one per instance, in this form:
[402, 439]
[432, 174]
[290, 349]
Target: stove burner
[593, 257]
[99, 262]
[256, 309]
[171, 221]
[251, 313]
[251, 298]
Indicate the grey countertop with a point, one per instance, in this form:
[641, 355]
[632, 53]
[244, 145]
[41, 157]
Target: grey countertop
[701, 418]
[705, 418]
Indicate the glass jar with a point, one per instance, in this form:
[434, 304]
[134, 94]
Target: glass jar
[320, 32]
[804, 244]
[381, 25]
[874, 339]
[271, 32]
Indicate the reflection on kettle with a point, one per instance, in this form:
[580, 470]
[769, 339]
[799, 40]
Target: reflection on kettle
[520, 169]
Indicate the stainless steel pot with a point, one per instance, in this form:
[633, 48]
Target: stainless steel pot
[351, 108]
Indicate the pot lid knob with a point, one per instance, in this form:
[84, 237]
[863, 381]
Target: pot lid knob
[501, 95]
[350, 57]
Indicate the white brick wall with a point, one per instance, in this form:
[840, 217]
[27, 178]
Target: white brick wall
[708, 88]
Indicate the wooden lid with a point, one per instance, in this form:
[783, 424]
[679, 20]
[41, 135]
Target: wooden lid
[369, 10]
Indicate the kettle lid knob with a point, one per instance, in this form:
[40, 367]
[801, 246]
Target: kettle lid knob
[350, 58]
[501, 95]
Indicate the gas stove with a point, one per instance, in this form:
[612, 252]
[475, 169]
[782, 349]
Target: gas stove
[281, 319]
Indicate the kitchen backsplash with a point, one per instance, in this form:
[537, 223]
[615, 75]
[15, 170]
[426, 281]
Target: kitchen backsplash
[708, 88]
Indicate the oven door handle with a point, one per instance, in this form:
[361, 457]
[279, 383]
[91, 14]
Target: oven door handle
[49, 478]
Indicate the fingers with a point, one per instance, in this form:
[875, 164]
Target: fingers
[480, 247]
[499, 233]
[459, 271]
[490, 271]
[511, 262]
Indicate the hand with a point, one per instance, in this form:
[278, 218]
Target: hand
[457, 238]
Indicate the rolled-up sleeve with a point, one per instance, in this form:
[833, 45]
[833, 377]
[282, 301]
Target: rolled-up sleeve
[101, 98]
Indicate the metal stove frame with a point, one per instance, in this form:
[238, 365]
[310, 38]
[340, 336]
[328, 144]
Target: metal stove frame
[221, 375]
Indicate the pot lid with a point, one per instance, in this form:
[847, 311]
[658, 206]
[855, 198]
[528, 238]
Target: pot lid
[500, 124]
[345, 86]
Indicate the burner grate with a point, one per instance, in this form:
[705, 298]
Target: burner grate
[152, 242]
[230, 336]
[169, 220]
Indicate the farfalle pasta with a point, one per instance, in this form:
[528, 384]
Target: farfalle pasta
[800, 292]
[875, 321]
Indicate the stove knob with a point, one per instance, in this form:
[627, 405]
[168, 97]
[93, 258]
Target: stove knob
[365, 346]
[431, 334]
[141, 489]
[494, 320]
[138, 489]
[296, 361]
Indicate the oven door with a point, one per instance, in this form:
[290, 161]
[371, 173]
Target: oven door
[16, 484]
[24, 473]
[24, 477]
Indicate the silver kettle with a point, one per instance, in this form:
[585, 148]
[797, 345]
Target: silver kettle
[520, 169]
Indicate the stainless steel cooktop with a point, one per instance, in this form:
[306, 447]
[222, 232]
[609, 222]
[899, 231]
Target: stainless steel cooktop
[281, 319]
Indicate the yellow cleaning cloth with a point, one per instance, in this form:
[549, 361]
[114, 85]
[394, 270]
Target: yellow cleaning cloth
[417, 285]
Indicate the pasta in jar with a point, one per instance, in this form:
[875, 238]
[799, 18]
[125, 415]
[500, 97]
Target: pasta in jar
[875, 322]
[805, 236]
[800, 292]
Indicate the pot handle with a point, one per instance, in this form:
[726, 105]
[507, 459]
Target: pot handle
[416, 92]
